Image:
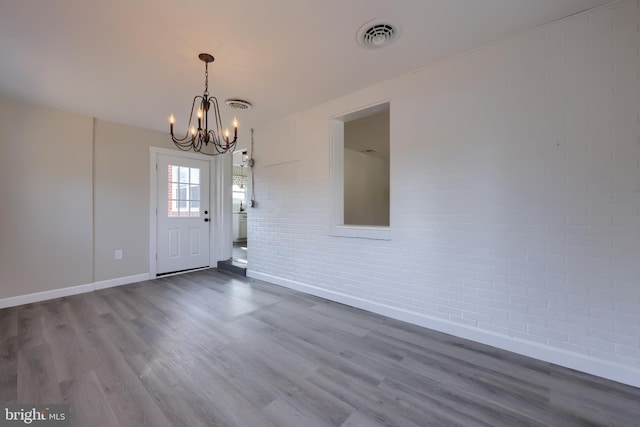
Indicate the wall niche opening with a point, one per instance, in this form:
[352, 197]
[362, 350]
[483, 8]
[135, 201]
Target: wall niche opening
[361, 173]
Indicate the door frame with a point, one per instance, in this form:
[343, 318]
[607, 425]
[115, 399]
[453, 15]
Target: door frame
[220, 238]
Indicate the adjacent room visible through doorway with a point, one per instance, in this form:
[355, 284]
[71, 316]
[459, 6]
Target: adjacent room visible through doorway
[239, 207]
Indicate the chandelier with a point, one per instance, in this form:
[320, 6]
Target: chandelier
[198, 139]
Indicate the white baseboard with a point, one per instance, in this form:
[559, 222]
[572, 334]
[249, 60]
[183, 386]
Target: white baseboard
[601, 368]
[45, 295]
[71, 290]
[104, 284]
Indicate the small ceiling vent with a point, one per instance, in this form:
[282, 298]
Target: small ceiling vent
[377, 33]
[238, 104]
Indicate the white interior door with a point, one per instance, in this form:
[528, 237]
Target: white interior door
[184, 214]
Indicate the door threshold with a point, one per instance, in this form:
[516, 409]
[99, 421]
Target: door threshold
[175, 273]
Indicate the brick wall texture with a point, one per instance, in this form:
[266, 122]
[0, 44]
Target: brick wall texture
[515, 191]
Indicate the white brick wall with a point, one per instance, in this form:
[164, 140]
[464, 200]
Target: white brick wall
[515, 197]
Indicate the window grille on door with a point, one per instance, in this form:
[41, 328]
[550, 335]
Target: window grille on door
[183, 191]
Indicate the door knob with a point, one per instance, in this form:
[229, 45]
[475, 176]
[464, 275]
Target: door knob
[206, 220]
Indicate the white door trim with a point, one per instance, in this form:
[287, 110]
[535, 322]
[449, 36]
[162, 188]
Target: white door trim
[220, 238]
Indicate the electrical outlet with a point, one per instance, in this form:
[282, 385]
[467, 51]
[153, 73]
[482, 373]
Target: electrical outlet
[118, 254]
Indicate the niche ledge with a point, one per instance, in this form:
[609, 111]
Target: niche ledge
[361, 232]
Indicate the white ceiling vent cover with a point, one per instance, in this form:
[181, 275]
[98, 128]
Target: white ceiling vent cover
[238, 104]
[377, 33]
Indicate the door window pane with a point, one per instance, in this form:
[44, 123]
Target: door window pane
[184, 174]
[183, 191]
[195, 192]
[195, 176]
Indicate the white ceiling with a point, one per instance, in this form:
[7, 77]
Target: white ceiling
[135, 61]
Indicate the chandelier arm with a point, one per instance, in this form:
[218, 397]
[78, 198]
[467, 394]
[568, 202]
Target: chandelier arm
[183, 147]
[184, 143]
[214, 140]
[197, 144]
[181, 144]
[186, 140]
[215, 153]
[217, 115]
[228, 145]
[219, 147]
[187, 136]
[213, 137]
[193, 106]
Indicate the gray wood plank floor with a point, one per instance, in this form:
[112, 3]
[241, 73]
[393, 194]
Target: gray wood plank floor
[209, 348]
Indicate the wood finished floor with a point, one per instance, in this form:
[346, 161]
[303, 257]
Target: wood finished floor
[213, 349]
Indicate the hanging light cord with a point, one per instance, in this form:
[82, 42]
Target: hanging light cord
[253, 185]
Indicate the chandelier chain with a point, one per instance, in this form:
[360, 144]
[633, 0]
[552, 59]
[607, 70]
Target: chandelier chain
[206, 79]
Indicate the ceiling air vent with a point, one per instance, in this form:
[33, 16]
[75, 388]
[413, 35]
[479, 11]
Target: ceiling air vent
[238, 104]
[376, 33]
